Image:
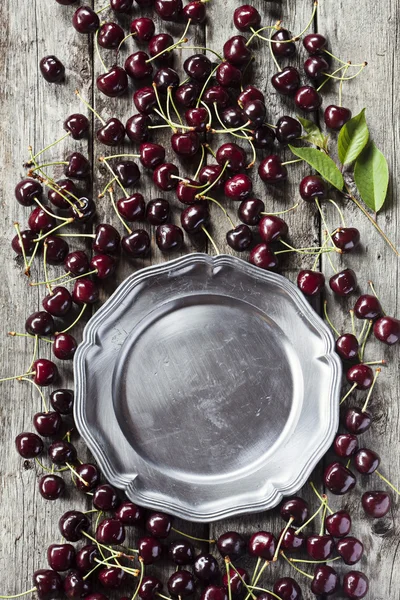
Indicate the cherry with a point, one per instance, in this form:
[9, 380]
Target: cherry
[47, 424]
[62, 452]
[110, 36]
[209, 174]
[29, 445]
[159, 524]
[62, 401]
[90, 475]
[197, 118]
[165, 176]
[216, 95]
[250, 210]
[158, 44]
[248, 94]
[143, 28]
[82, 210]
[52, 69]
[346, 238]
[67, 188]
[151, 155]
[114, 83]
[77, 263]
[169, 237]
[319, 547]
[376, 504]
[366, 461]
[85, 558]
[338, 524]
[246, 17]
[314, 43]
[214, 592]
[316, 67]
[263, 137]
[338, 478]
[236, 52]
[48, 584]
[228, 75]
[61, 557]
[187, 94]
[187, 190]
[355, 584]
[236, 579]
[239, 238]
[27, 190]
[149, 588]
[130, 514]
[28, 242]
[40, 323]
[287, 589]
[262, 256]
[185, 144]
[262, 544]
[206, 568]
[78, 166]
[360, 375]
[105, 498]
[64, 346]
[336, 116]
[326, 581]
[150, 550]
[121, 6]
[136, 244]
[168, 10]
[137, 65]
[307, 98]
[287, 81]
[231, 544]
[286, 49]
[132, 208]
[196, 11]
[57, 249]
[104, 265]
[287, 129]
[345, 445]
[181, 552]
[107, 239]
[110, 532]
[387, 330]
[312, 187]
[357, 421]
[41, 221]
[158, 211]
[350, 549]
[166, 78]
[85, 291]
[194, 217]
[271, 169]
[45, 372]
[112, 577]
[75, 586]
[77, 125]
[296, 509]
[311, 283]
[72, 524]
[367, 307]
[292, 540]
[51, 487]
[272, 228]
[238, 187]
[198, 67]
[256, 112]
[112, 133]
[137, 128]
[85, 20]
[181, 584]
[343, 283]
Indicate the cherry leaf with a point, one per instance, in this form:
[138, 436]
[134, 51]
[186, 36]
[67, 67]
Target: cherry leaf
[353, 138]
[371, 175]
[322, 163]
[314, 134]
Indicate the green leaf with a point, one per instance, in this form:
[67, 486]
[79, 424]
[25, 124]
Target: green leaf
[353, 138]
[371, 175]
[322, 163]
[314, 134]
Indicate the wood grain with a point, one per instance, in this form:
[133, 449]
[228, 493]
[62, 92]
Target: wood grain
[33, 111]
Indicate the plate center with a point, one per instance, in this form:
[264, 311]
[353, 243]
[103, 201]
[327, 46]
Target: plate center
[205, 385]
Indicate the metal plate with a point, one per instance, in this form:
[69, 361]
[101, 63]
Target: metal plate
[206, 387]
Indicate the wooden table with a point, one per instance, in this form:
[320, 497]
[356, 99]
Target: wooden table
[33, 112]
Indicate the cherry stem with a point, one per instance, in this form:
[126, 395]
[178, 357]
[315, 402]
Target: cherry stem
[203, 89]
[376, 375]
[330, 77]
[314, 562]
[345, 78]
[370, 323]
[258, 563]
[281, 212]
[256, 32]
[84, 307]
[316, 492]
[250, 593]
[57, 189]
[182, 40]
[32, 258]
[266, 563]
[371, 285]
[103, 192]
[278, 546]
[226, 130]
[49, 212]
[228, 575]
[17, 377]
[28, 335]
[111, 193]
[344, 62]
[321, 531]
[328, 319]
[216, 179]
[382, 361]
[170, 99]
[35, 349]
[322, 505]
[322, 249]
[38, 389]
[292, 162]
[86, 103]
[303, 250]
[191, 537]
[51, 145]
[207, 50]
[210, 118]
[296, 568]
[259, 589]
[104, 159]
[222, 208]
[388, 482]
[96, 43]
[211, 240]
[339, 211]
[124, 40]
[71, 468]
[274, 57]
[203, 153]
[21, 244]
[63, 224]
[341, 85]
[353, 387]
[324, 220]
[211, 151]
[353, 325]
[140, 578]
[328, 237]
[21, 594]
[52, 470]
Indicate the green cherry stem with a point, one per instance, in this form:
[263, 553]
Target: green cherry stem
[206, 49]
[191, 537]
[278, 546]
[211, 240]
[330, 77]
[321, 531]
[63, 224]
[104, 161]
[388, 482]
[51, 145]
[221, 207]
[21, 594]
[296, 568]
[103, 192]
[28, 335]
[36, 248]
[316, 492]
[216, 179]
[35, 349]
[278, 66]
[228, 576]
[347, 394]
[203, 153]
[322, 505]
[21, 244]
[259, 589]
[328, 319]
[50, 213]
[281, 212]
[140, 578]
[341, 85]
[111, 194]
[250, 593]
[339, 211]
[371, 285]
[258, 563]
[86, 103]
[257, 578]
[170, 100]
[84, 307]
[353, 325]
[203, 89]
[35, 385]
[314, 562]
[73, 471]
[256, 32]
[181, 41]
[292, 162]
[370, 323]
[96, 44]
[344, 62]
[376, 375]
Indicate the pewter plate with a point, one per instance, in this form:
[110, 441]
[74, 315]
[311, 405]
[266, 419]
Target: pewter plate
[207, 388]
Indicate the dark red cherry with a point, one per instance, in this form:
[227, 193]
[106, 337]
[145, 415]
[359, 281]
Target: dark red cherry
[187, 94]
[29, 445]
[319, 547]
[250, 210]
[287, 129]
[41, 221]
[194, 217]
[77, 263]
[325, 582]
[82, 210]
[158, 211]
[150, 549]
[262, 544]
[40, 323]
[62, 401]
[236, 579]
[316, 67]
[48, 584]
[214, 592]
[263, 137]
[355, 585]
[344, 282]
[239, 238]
[307, 98]
[27, 190]
[376, 504]
[339, 479]
[64, 346]
[250, 93]
[314, 43]
[236, 52]
[110, 532]
[198, 67]
[285, 49]
[197, 118]
[312, 187]
[228, 75]
[105, 498]
[85, 558]
[246, 17]
[47, 424]
[272, 228]
[130, 514]
[136, 244]
[367, 306]
[255, 112]
[181, 584]
[112, 577]
[61, 557]
[287, 589]
[311, 283]
[78, 166]
[45, 371]
[232, 117]
[132, 208]
[107, 239]
[75, 586]
[51, 487]
[165, 176]
[151, 155]
[338, 524]
[62, 452]
[187, 190]
[168, 10]
[77, 125]
[345, 445]
[159, 524]
[347, 346]
[238, 187]
[52, 69]
[206, 568]
[216, 95]
[232, 154]
[350, 549]
[57, 249]
[209, 174]
[361, 375]
[271, 169]
[169, 237]
[114, 83]
[158, 46]
[85, 291]
[296, 509]
[28, 242]
[291, 540]
[137, 67]
[357, 421]
[110, 36]
[64, 188]
[336, 116]
[185, 144]
[112, 133]
[262, 256]
[366, 461]
[196, 11]
[287, 81]
[346, 238]
[181, 552]
[387, 330]
[72, 524]
[121, 6]
[150, 588]
[143, 29]
[137, 128]
[85, 20]
[166, 78]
